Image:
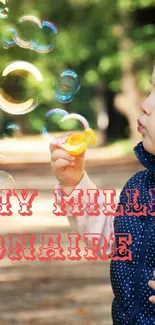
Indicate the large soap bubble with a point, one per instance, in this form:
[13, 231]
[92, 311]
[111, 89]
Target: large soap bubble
[74, 143]
[19, 88]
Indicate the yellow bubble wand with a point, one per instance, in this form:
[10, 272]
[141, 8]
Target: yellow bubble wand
[77, 143]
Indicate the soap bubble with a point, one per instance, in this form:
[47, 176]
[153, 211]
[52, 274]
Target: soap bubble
[7, 37]
[3, 9]
[67, 86]
[64, 99]
[78, 117]
[28, 26]
[12, 132]
[56, 111]
[2, 160]
[34, 34]
[73, 142]
[53, 115]
[48, 28]
[6, 181]
[12, 32]
[19, 88]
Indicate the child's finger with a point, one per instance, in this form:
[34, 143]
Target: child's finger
[152, 299]
[69, 133]
[53, 147]
[60, 153]
[151, 284]
[81, 155]
[62, 163]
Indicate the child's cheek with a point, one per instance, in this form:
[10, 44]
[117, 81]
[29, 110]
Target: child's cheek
[151, 130]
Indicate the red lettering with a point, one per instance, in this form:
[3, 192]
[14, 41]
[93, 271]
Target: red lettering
[110, 205]
[94, 248]
[74, 250]
[124, 253]
[132, 206]
[152, 204]
[93, 205]
[2, 247]
[16, 249]
[25, 199]
[51, 247]
[74, 201]
[5, 204]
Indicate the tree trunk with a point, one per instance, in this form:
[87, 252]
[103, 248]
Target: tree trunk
[128, 104]
[102, 113]
[128, 101]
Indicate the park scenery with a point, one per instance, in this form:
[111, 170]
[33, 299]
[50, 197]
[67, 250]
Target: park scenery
[73, 73]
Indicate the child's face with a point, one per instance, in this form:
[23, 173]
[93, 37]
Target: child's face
[147, 119]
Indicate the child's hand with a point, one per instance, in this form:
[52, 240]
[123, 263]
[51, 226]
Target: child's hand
[68, 169]
[151, 284]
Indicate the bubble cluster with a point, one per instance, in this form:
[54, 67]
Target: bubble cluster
[67, 86]
[20, 83]
[74, 143]
[31, 44]
[19, 88]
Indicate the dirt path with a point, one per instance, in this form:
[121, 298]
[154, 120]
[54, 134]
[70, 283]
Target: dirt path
[50, 292]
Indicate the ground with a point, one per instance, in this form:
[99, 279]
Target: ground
[50, 292]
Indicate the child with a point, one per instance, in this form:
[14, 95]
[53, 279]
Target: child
[131, 304]
[152, 285]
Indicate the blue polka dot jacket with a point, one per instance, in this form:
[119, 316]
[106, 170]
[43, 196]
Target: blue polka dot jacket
[129, 278]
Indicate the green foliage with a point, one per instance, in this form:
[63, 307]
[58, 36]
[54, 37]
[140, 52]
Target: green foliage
[89, 34]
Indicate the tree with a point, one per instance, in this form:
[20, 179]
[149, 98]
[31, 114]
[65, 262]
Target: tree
[105, 42]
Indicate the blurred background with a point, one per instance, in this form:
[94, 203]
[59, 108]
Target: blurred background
[110, 45]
